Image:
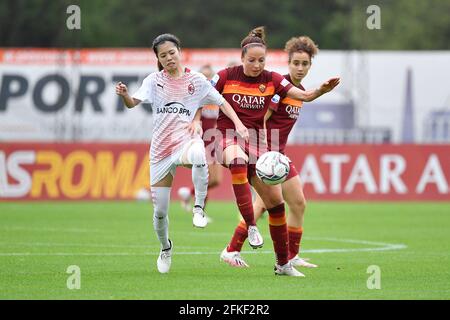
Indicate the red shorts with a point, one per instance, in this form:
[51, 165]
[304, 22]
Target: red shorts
[252, 154]
[208, 123]
[292, 171]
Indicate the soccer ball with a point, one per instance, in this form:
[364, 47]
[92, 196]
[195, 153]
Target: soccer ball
[272, 167]
[184, 193]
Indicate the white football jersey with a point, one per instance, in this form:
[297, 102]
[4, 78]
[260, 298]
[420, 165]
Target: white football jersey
[174, 103]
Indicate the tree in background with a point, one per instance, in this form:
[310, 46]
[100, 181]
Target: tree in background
[334, 24]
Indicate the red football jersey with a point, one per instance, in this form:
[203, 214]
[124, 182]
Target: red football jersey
[285, 113]
[249, 96]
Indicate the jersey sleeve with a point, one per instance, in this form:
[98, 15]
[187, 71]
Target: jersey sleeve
[145, 92]
[274, 102]
[282, 86]
[219, 79]
[210, 95]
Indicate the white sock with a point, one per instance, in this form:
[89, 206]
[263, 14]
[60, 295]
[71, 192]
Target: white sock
[196, 156]
[161, 199]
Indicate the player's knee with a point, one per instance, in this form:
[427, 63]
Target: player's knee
[238, 161]
[197, 154]
[297, 206]
[273, 202]
[212, 183]
[214, 178]
[259, 211]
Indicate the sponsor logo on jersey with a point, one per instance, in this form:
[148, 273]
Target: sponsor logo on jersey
[249, 102]
[293, 111]
[173, 107]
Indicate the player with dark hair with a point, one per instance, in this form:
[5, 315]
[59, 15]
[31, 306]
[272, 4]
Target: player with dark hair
[249, 89]
[280, 119]
[176, 94]
[208, 119]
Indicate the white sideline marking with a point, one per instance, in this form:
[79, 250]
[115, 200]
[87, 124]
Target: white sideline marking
[379, 246]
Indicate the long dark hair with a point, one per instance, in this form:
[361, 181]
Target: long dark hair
[161, 39]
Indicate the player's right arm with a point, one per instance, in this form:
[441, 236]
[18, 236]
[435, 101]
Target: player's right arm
[310, 95]
[122, 91]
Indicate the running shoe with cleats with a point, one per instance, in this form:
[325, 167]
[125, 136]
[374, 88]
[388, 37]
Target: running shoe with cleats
[255, 240]
[287, 270]
[233, 258]
[199, 218]
[165, 259]
[299, 262]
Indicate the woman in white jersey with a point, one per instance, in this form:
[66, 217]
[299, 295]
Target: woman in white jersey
[176, 95]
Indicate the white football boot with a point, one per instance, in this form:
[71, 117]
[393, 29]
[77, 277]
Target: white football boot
[255, 239]
[233, 258]
[299, 262]
[165, 259]
[199, 218]
[287, 270]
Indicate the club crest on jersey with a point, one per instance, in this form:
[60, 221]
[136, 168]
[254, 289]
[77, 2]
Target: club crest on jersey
[191, 88]
[262, 88]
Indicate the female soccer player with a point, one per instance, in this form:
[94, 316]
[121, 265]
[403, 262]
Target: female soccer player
[249, 89]
[281, 118]
[176, 94]
[209, 116]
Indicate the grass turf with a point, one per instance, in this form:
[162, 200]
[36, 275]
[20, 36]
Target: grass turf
[115, 247]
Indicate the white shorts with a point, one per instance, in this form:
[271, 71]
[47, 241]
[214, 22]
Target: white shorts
[160, 169]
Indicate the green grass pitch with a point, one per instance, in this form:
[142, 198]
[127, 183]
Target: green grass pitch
[114, 245]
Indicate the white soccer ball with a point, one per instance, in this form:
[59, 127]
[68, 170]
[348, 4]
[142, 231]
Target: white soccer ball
[184, 193]
[272, 167]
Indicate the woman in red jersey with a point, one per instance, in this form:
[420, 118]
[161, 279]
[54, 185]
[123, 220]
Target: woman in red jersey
[249, 89]
[280, 119]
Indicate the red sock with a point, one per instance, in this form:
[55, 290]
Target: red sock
[239, 236]
[295, 236]
[242, 192]
[279, 233]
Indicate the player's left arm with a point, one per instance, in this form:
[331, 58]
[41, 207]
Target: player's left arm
[310, 95]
